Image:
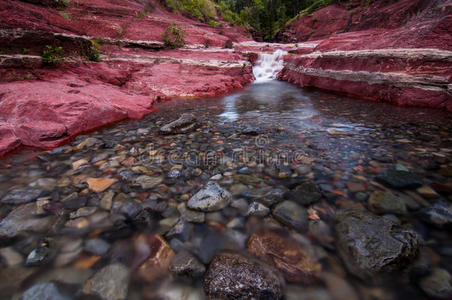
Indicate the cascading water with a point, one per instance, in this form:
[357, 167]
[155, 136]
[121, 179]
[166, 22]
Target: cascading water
[268, 66]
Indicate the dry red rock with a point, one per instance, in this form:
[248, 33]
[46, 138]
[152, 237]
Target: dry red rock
[287, 255]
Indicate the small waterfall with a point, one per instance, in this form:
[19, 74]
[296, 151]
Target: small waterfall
[268, 66]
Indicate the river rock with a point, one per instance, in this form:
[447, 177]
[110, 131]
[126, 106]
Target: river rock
[180, 231]
[286, 254]
[10, 257]
[292, 215]
[23, 219]
[399, 179]
[370, 245]
[148, 182]
[186, 123]
[191, 215]
[211, 197]
[157, 263]
[437, 284]
[306, 193]
[22, 195]
[38, 256]
[235, 276]
[96, 246]
[109, 283]
[257, 209]
[438, 214]
[185, 264]
[44, 291]
[267, 195]
[99, 185]
[382, 202]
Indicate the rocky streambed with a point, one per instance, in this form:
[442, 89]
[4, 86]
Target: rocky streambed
[273, 192]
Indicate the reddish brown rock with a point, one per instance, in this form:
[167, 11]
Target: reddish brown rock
[397, 52]
[158, 261]
[99, 185]
[46, 106]
[287, 255]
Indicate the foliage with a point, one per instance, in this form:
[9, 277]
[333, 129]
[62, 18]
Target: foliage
[93, 53]
[65, 15]
[52, 55]
[203, 10]
[266, 16]
[174, 36]
[61, 4]
[142, 13]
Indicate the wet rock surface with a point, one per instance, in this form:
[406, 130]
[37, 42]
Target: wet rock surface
[370, 245]
[293, 177]
[212, 197]
[185, 124]
[292, 214]
[287, 255]
[234, 276]
[111, 282]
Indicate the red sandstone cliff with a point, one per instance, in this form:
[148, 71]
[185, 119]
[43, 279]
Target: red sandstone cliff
[45, 106]
[391, 51]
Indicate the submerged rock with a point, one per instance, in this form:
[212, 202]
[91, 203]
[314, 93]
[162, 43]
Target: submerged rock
[22, 195]
[438, 214]
[44, 291]
[109, 283]
[186, 123]
[371, 245]
[186, 264]
[386, 202]
[287, 255]
[23, 219]
[399, 179]
[235, 276]
[306, 193]
[158, 261]
[212, 197]
[292, 215]
[438, 284]
[257, 209]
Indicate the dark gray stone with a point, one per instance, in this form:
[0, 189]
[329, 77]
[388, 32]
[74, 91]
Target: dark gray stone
[185, 264]
[399, 179]
[371, 245]
[44, 291]
[22, 195]
[306, 193]
[292, 215]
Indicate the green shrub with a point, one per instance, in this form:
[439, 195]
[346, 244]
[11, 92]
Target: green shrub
[94, 51]
[174, 36]
[142, 13]
[61, 4]
[203, 10]
[100, 41]
[52, 55]
[65, 15]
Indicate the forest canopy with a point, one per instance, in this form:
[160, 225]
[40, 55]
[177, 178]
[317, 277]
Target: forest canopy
[266, 17]
[263, 17]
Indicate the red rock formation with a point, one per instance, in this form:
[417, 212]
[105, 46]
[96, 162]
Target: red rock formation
[406, 60]
[46, 106]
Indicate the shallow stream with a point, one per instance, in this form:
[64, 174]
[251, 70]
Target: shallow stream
[267, 144]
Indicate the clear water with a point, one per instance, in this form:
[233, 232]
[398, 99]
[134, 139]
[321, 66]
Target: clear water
[327, 139]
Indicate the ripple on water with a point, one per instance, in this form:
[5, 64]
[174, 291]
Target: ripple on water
[267, 146]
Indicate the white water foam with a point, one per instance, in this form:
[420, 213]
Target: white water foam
[268, 66]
